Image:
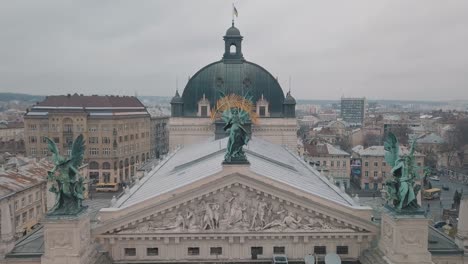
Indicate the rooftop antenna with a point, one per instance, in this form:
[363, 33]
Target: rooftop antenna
[290, 84]
[177, 83]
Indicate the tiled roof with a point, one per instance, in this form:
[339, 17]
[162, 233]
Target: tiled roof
[324, 149]
[379, 151]
[195, 162]
[76, 100]
[431, 139]
[25, 174]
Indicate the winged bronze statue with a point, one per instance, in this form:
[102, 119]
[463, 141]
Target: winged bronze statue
[402, 189]
[235, 120]
[67, 183]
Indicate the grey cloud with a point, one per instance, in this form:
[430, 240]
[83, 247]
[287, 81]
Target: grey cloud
[379, 49]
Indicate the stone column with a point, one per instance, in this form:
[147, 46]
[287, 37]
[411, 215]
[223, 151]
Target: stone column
[461, 239]
[67, 239]
[404, 238]
[7, 232]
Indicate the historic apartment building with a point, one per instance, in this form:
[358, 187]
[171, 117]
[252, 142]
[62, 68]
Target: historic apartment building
[330, 161]
[374, 168]
[23, 192]
[116, 130]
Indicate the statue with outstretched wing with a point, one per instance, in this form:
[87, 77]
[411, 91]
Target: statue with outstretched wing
[67, 183]
[402, 188]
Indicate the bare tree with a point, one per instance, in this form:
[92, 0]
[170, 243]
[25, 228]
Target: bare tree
[371, 140]
[456, 141]
[401, 131]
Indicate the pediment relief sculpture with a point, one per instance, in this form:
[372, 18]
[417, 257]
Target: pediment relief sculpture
[237, 210]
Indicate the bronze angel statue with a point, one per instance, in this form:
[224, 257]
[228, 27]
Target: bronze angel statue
[67, 183]
[402, 189]
[235, 120]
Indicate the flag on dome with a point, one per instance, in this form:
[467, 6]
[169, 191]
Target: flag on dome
[234, 10]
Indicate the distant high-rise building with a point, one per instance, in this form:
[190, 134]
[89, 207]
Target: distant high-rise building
[353, 110]
[116, 131]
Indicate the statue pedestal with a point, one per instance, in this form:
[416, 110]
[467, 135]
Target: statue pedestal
[404, 237]
[67, 239]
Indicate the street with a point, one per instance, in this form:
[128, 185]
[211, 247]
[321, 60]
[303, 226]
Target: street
[436, 206]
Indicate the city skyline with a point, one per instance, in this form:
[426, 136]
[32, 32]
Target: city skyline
[381, 50]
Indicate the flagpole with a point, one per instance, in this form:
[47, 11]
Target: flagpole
[233, 14]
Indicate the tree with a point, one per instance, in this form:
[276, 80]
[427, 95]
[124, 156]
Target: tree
[401, 131]
[371, 140]
[344, 143]
[456, 140]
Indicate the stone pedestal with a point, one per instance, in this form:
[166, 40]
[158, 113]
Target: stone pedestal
[404, 238]
[67, 239]
[461, 239]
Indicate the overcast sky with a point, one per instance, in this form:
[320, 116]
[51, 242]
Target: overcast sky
[395, 49]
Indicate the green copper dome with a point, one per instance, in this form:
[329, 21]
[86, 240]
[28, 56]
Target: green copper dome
[232, 74]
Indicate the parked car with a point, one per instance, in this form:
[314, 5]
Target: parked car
[280, 259]
[445, 187]
[434, 178]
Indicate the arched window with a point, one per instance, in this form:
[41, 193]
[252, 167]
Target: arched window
[132, 160]
[232, 49]
[106, 166]
[121, 164]
[126, 162]
[93, 165]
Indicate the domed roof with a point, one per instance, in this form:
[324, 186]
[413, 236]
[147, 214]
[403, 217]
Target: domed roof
[241, 78]
[233, 31]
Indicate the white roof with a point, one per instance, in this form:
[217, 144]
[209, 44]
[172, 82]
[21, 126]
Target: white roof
[195, 162]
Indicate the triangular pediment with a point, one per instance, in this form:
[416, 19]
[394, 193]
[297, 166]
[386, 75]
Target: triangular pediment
[235, 204]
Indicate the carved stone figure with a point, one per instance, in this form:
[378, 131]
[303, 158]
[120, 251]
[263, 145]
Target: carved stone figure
[68, 184]
[291, 222]
[244, 211]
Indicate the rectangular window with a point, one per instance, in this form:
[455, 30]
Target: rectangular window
[384, 164]
[30, 198]
[126, 138]
[337, 163]
[255, 251]
[216, 251]
[376, 164]
[152, 251]
[56, 140]
[193, 251]
[344, 164]
[130, 252]
[43, 139]
[376, 174]
[342, 250]
[38, 210]
[262, 111]
[31, 213]
[93, 129]
[33, 151]
[322, 250]
[24, 216]
[93, 140]
[383, 174]
[37, 196]
[94, 151]
[204, 110]
[366, 164]
[106, 151]
[106, 140]
[366, 173]
[45, 151]
[279, 250]
[23, 202]
[33, 127]
[16, 205]
[324, 163]
[332, 163]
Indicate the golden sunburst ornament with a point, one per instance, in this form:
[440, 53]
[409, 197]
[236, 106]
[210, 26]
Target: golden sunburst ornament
[234, 101]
